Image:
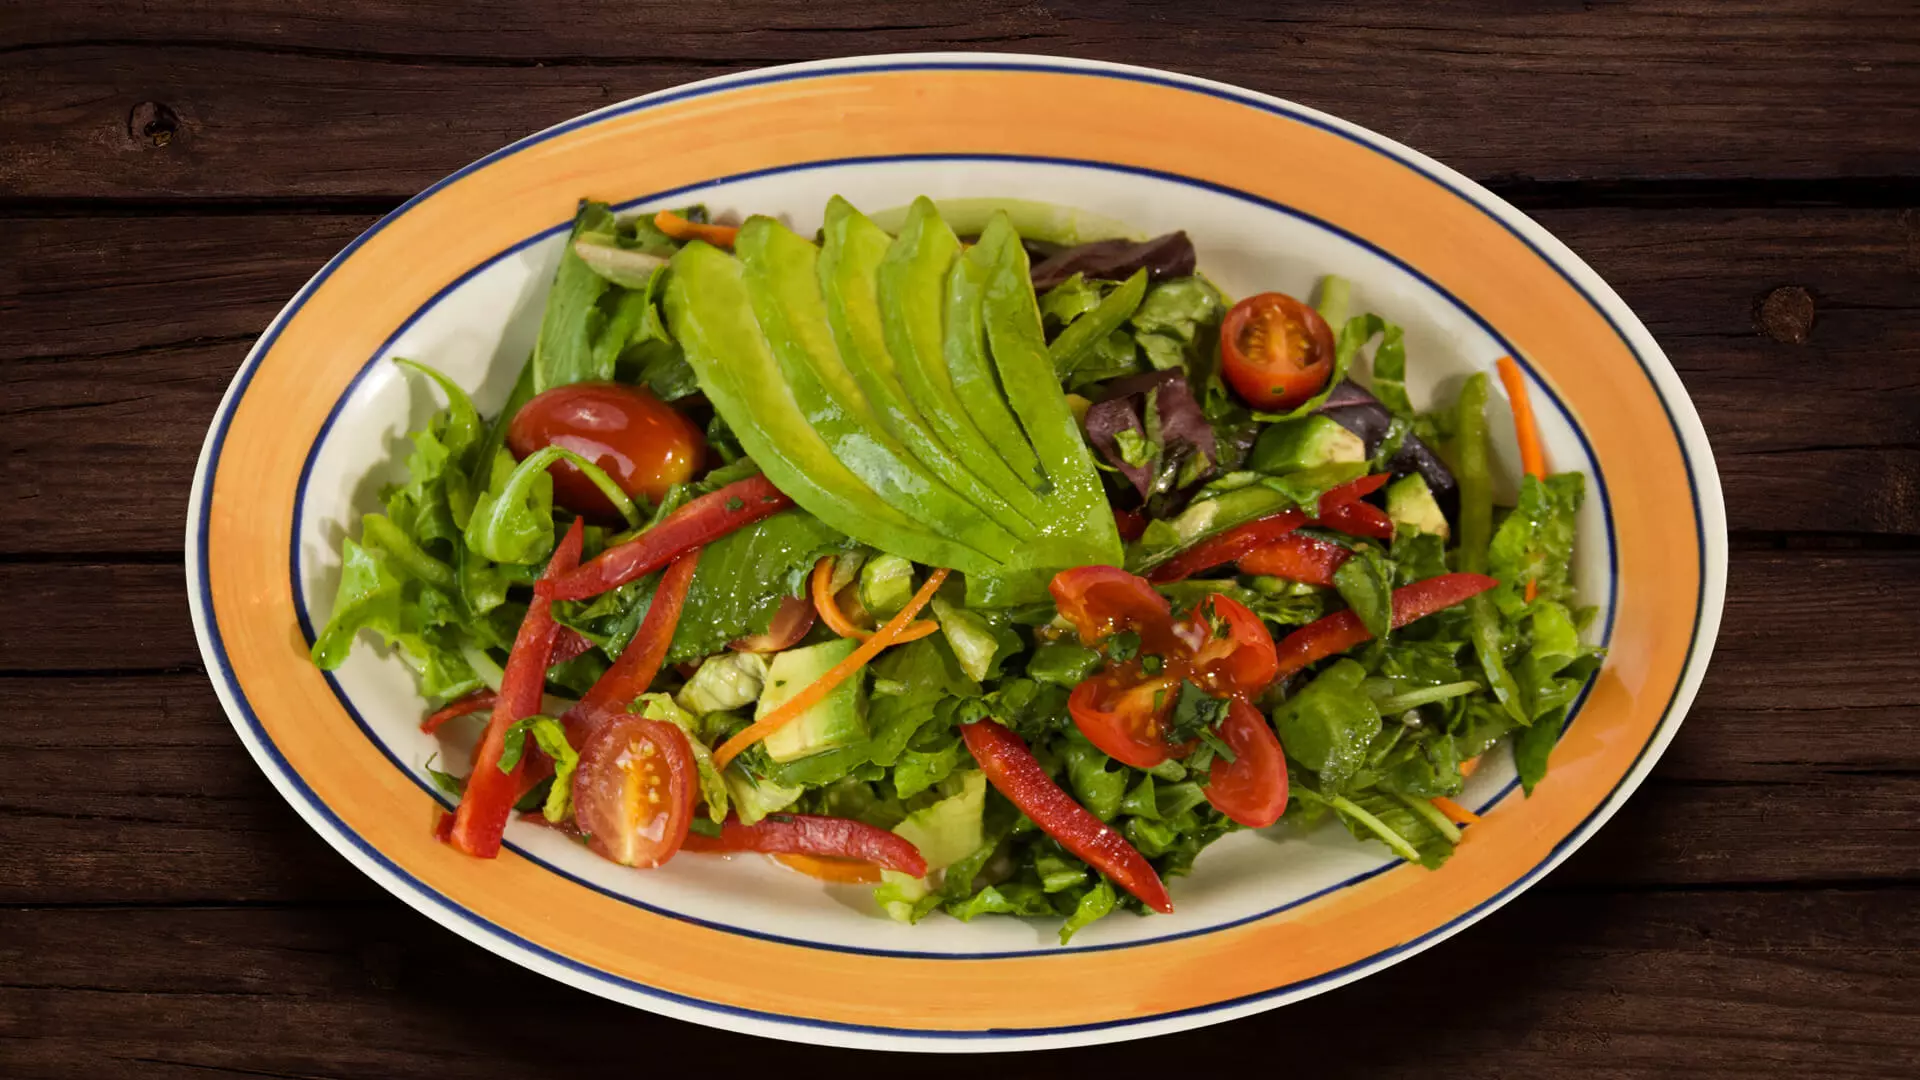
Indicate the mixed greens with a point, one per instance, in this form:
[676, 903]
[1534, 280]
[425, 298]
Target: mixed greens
[999, 570]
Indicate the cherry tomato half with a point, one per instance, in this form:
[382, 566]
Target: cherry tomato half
[1116, 711]
[1276, 351]
[1252, 788]
[1238, 658]
[643, 443]
[1103, 600]
[633, 790]
[790, 624]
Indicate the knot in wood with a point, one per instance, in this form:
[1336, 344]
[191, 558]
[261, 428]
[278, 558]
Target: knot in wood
[152, 122]
[1786, 315]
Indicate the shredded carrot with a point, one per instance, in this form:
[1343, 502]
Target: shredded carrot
[1533, 457]
[681, 229]
[821, 585]
[843, 871]
[829, 608]
[1467, 767]
[891, 634]
[1458, 814]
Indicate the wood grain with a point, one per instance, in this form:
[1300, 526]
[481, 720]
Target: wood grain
[384, 98]
[1745, 173]
[168, 306]
[1737, 985]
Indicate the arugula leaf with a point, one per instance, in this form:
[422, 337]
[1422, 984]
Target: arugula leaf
[455, 787]
[1365, 582]
[919, 675]
[1327, 726]
[1535, 542]
[551, 737]
[1087, 327]
[573, 323]
[369, 597]
[1533, 745]
[1177, 310]
[1090, 775]
[1195, 714]
[1069, 300]
[713, 786]
[1390, 372]
[932, 756]
[1095, 904]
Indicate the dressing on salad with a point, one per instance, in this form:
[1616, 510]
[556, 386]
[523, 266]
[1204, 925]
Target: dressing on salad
[957, 553]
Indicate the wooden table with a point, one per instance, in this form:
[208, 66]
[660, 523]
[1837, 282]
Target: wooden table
[1746, 175]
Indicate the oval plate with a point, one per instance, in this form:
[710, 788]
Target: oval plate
[1274, 195]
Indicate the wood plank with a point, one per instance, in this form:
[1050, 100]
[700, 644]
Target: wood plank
[86, 617]
[1822, 436]
[1702, 984]
[397, 95]
[1795, 766]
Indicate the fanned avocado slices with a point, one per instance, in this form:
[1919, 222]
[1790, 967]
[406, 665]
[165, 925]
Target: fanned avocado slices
[783, 287]
[913, 281]
[899, 389]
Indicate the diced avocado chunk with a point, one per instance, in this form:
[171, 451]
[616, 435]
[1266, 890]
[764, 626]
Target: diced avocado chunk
[971, 636]
[754, 798]
[1411, 505]
[886, 584]
[1306, 443]
[945, 833]
[838, 720]
[730, 680]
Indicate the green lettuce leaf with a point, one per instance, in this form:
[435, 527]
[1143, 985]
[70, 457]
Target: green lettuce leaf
[1535, 542]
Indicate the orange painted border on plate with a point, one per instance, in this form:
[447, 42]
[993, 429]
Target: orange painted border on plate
[860, 113]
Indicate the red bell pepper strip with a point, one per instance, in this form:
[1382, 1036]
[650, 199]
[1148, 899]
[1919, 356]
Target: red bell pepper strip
[1238, 541]
[478, 701]
[490, 794]
[702, 521]
[1358, 519]
[1296, 558]
[640, 661]
[1011, 768]
[1343, 630]
[810, 834]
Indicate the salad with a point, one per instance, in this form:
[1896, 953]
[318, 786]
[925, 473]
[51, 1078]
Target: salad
[946, 553]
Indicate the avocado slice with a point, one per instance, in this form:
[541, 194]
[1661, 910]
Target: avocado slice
[1082, 531]
[708, 311]
[849, 277]
[1306, 443]
[1411, 505]
[839, 719]
[974, 380]
[913, 278]
[782, 283]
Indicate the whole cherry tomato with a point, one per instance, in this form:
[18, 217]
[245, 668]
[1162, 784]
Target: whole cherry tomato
[643, 443]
